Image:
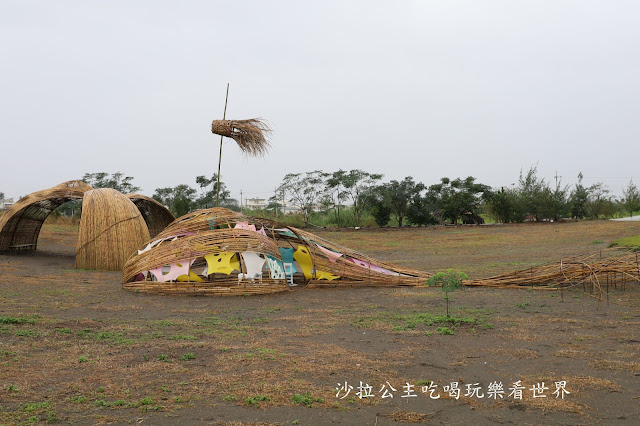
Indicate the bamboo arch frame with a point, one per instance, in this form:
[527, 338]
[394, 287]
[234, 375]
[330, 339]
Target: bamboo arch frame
[20, 225]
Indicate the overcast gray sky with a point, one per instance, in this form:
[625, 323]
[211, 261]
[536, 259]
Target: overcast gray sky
[421, 88]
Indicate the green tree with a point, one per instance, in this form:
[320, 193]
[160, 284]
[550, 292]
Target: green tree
[420, 211]
[208, 190]
[334, 192]
[601, 202]
[578, 200]
[456, 197]
[117, 181]
[531, 192]
[502, 206]
[304, 190]
[378, 204]
[397, 196]
[630, 198]
[553, 204]
[276, 202]
[355, 184]
[180, 200]
[449, 280]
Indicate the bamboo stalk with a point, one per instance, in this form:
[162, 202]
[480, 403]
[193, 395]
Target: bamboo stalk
[224, 117]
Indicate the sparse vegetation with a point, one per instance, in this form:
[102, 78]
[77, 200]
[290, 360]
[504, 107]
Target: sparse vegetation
[448, 281]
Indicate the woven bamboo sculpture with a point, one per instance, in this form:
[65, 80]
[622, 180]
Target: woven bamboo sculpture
[111, 228]
[107, 234]
[220, 252]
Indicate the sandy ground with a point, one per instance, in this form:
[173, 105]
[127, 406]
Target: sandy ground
[75, 348]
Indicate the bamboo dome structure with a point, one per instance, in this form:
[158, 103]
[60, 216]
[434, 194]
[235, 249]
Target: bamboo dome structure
[221, 252]
[108, 210]
[111, 228]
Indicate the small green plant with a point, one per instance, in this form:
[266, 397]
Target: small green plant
[597, 242]
[15, 320]
[34, 406]
[450, 280]
[143, 401]
[444, 330]
[163, 358]
[230, 398]
[187, 357]
[522, 305]
[183, 337]
[305, 399]
[255, 400]
[83, 358]
[80, 399]
[100, 389]
[12, 388]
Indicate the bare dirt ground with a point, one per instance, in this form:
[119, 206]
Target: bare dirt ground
[76, 349]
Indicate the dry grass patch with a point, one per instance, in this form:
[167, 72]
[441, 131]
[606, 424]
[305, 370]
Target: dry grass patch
[603, 364]
[408, 416]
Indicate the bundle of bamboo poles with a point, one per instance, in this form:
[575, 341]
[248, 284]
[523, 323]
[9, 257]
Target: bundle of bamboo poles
[595, 273]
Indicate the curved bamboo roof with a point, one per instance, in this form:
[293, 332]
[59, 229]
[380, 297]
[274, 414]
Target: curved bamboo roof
[20, 225]
[154, 214]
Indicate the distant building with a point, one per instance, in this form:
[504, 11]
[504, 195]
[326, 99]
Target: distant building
[262, 203]
[6, 203]
[255, 203]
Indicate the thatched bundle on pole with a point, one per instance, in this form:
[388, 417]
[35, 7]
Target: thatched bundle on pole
[111, 228]
[251, 135]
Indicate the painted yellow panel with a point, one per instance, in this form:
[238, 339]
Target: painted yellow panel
[324, 275]
[302, 256]
[224, 263]
[191, 277]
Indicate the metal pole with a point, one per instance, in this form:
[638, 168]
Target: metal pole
[224, 117]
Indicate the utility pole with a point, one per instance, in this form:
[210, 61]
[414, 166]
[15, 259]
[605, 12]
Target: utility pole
[284, 211]
[275, 196]
[556, 176]
[241, 201]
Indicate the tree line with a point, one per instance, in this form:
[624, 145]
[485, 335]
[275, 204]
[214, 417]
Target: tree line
[347, 198]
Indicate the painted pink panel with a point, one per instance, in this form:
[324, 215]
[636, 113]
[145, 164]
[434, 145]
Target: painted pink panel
[245, 225]
[332, 255]
[174, 272]
[373, 267]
